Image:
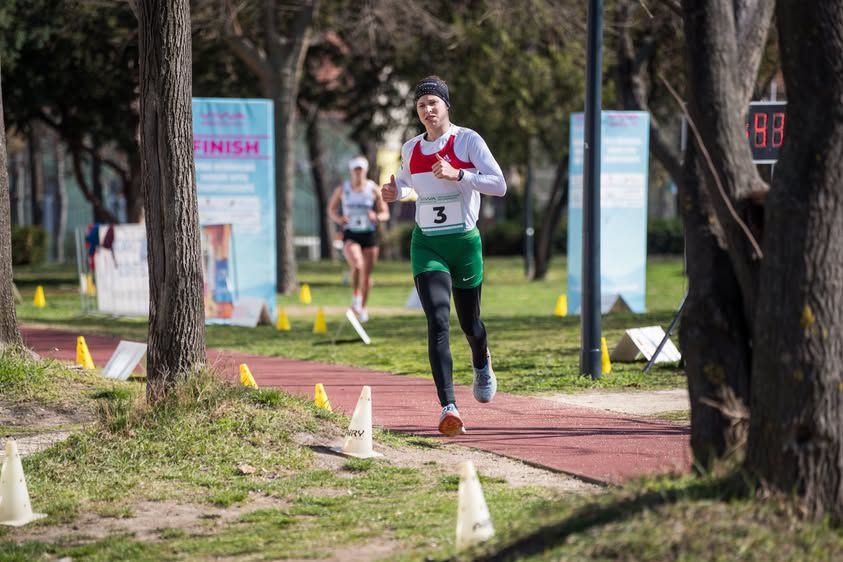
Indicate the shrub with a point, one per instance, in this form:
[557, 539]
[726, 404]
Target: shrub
[29, 245]
[665, 236]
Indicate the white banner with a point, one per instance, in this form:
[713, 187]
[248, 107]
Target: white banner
[122, 274]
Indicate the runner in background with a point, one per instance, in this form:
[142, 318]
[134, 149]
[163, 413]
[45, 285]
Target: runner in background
[362, 209]
[445, 170]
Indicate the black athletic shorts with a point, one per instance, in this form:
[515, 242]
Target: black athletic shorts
[365, 239]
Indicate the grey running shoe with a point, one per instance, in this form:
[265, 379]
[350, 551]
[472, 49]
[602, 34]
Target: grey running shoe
[450, 422]
[485, 385]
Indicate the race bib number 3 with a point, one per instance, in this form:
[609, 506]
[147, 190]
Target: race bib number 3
[441, 214]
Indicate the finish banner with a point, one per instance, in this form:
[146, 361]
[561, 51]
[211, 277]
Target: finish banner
[625, 137]
[235, 178]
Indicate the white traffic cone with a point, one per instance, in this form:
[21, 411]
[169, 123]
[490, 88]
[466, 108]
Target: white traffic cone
[358, 438]
[474, 525]
[15, 507]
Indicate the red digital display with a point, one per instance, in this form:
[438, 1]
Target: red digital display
[765, 124]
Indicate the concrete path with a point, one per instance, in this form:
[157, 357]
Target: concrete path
[595, 445]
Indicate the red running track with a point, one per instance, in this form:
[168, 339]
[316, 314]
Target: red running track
[592, 444]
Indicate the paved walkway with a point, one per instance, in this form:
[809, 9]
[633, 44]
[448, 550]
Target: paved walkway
[592, 444]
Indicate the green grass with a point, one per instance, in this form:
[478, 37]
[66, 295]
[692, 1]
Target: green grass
[189, 447]
[533, 351]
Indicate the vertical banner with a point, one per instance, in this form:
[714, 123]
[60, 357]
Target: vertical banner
[235, 177]
[623, 209]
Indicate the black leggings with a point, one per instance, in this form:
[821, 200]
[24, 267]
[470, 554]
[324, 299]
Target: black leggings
[434, 288]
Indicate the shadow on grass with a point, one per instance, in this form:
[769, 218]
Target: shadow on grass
[733, 486]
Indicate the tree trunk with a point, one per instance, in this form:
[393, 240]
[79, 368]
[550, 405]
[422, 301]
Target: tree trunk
[550, 219]
[101, 213]
[724, 39]
[36, 171]
[795, 440]
[713, 333]
[176, 312]
[133, 190]
[9, 334]
[320, 185]
[61, 201]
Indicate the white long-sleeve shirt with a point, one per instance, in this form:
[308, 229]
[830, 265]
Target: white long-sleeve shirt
[445, 206]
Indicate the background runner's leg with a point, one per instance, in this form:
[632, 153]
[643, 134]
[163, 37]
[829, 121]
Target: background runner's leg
[434, 288]
[467, 303]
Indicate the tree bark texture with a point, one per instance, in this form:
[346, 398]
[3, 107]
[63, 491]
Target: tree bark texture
[713, 334]
[9, 334]
[176, 312]
[718, 104]
[722, 266]
[796, 429]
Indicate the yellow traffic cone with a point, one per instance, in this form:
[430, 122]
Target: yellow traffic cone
[320, 326]
[561, 306]
[39, 301]
[90, 288]
[474, 524]
[283, 323]
[15, 507]
[604, 355]
[246, 378]
[304, 294]
[321, 398]
[358, 438]
[83, 356]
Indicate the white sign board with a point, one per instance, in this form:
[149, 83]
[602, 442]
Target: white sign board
[358, 327]
[639, 342]
[124, 360]
[249, 311]
[122, 273]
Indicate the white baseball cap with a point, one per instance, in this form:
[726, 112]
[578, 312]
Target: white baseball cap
[358, 162]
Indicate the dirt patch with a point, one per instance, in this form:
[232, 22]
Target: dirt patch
[444, 459]
[147, 521]
[41, 416]
[637, 403]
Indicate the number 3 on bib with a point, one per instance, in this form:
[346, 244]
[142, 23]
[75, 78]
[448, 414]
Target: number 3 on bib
[440, 214]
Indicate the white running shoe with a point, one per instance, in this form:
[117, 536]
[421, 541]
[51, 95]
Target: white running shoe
[363, 315]
[450, 422]
[485, 384]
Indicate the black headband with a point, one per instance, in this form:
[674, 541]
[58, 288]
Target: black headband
[433, 87]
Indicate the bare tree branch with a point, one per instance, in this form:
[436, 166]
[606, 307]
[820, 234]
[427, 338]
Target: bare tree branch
[86, 191]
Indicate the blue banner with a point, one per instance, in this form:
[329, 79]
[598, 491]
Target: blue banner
[623, 209]
[235, 177]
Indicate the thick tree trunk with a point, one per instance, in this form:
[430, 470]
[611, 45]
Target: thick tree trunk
[320, 186]
[9, 334]
[285, 188]
[713, 334]
[796, 431]
[724, 39]
[176, 312]
[101, 214]
[550, 219]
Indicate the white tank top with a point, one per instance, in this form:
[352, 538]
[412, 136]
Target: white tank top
[356, 206]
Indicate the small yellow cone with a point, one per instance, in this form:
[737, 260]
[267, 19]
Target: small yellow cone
[246, 378]
[561, 306]
[283, 323]
[90, 288]
[304, 294]
[604, 353]
[320, 326]
[321, 398]
[39, 301]
[83, 356]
